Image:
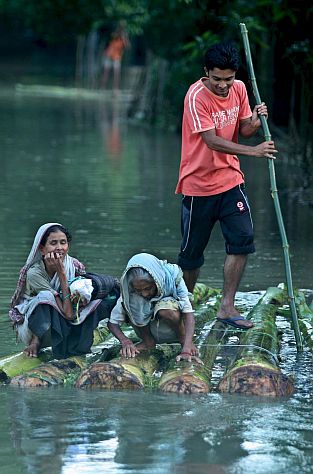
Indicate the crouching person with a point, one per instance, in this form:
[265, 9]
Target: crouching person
[154, 300]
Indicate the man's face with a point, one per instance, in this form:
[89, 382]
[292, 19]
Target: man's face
[220, 81]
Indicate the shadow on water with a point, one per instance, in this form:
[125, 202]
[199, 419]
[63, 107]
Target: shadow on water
[112, 183]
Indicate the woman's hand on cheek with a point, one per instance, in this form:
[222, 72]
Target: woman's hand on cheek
[53, 261]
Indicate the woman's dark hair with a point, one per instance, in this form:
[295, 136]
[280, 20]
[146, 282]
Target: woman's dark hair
[55, 228]
[222, 55]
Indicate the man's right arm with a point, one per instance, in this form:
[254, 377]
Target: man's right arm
[264, 149]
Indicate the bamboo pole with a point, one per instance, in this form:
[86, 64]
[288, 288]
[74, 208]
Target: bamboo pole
[274, 192]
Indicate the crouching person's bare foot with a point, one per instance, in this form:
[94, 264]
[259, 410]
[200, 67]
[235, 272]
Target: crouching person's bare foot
[145, 345]
[33, 348]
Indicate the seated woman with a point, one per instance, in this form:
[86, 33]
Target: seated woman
[154, 299]
[43, 311]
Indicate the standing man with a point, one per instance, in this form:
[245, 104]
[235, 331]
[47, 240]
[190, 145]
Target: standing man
[216, 109]
[113, 54]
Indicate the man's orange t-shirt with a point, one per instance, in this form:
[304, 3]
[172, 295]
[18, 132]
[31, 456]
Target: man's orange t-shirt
[205, 172]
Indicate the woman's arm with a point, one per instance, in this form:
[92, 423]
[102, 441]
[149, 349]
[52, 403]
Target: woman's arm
[128, 347]
[54, 263]
[189, 323]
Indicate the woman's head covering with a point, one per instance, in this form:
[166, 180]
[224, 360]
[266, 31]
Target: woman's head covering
[165, 275]
[33, 256]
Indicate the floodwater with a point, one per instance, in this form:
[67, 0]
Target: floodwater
[111, 182]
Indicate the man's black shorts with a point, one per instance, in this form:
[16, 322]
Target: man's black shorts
[200, 213]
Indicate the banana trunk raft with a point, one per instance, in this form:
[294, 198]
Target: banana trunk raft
[254, 371]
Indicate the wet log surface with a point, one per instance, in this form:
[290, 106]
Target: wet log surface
[305, 317]
[191, 377]
[122, 373]
[255, 369]
[52, 373]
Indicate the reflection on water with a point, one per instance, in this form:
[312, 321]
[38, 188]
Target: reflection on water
[112, 184]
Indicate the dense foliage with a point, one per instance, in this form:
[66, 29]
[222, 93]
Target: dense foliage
[179, 31]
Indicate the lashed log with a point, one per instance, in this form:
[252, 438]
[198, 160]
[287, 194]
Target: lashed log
[121, 373]
[137, 373]
[203, 293]
[19, 363]
[54, 372]
[255, 370]
[192, 377]
[305, 314]
[16, 364]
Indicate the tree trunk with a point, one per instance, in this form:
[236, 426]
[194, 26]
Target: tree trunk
[79, 68]
[255, 369]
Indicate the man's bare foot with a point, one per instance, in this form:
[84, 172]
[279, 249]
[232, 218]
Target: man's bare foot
[236, 321]
[33, 348]
[230, 315]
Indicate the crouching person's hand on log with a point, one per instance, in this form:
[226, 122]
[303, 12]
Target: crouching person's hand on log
[189, 354]
[128, 349]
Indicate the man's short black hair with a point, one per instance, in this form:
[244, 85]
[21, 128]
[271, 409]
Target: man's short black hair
[222, 55]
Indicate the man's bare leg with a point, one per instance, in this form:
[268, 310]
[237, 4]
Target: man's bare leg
[233, 270]
[191, 277]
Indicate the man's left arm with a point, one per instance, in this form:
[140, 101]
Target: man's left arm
[248, 127]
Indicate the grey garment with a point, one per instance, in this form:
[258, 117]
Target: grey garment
[161, 332]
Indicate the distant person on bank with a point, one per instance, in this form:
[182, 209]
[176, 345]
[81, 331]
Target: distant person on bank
[43, 309]
[154, 300]
[216, 110]
[112, 56]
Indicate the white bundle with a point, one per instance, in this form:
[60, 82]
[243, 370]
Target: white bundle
[82, 287]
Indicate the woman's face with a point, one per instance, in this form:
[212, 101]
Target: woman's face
[145, 288]
[57, 244]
